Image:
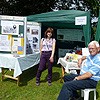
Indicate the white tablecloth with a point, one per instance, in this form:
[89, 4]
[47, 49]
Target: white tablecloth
[67, 65]
[19, 64]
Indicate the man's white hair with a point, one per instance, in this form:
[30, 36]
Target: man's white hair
[94, 43]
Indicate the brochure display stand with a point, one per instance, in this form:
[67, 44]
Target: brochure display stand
[13, 34]
[19, 45]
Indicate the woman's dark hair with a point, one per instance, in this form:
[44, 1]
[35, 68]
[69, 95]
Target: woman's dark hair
[49, 30]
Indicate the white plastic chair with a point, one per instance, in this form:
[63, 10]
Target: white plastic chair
[85, 93]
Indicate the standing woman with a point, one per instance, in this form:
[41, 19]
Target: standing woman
[47, 50]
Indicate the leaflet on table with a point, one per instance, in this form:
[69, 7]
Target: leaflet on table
[5, 42]
[85, 52]
[72, 57]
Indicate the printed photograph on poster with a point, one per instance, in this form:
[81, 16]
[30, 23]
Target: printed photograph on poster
[34, 31]
[28, 29]
[9, 27]
[28, 47]
[32, 42]
[35, 46]
[35, 40]
[5, 42]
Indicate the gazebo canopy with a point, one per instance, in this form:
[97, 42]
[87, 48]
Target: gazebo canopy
[97, 36]
[63, 19]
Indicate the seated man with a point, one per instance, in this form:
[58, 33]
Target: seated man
[88, 78]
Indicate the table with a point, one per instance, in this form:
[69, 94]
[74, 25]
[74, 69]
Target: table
[67, 66]
[18, 64]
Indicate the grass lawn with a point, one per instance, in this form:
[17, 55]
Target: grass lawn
[29, 91]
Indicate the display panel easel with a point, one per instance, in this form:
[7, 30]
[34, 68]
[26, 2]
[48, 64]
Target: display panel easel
[15, 28]
[12, 37]
[15, 55]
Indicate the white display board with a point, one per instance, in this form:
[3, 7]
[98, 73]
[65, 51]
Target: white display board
[85, 52]
[20, 35]
[33, 37]
[81, 20]
[69, 34]
[13, 34]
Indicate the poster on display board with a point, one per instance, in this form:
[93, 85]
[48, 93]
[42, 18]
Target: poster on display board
[32, 42]
[18, 45]
[5, 42]
[10, 27]
[14, 26]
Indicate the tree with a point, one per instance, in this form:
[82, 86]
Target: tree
[29, 7]
[84, 5]
[25, 7]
